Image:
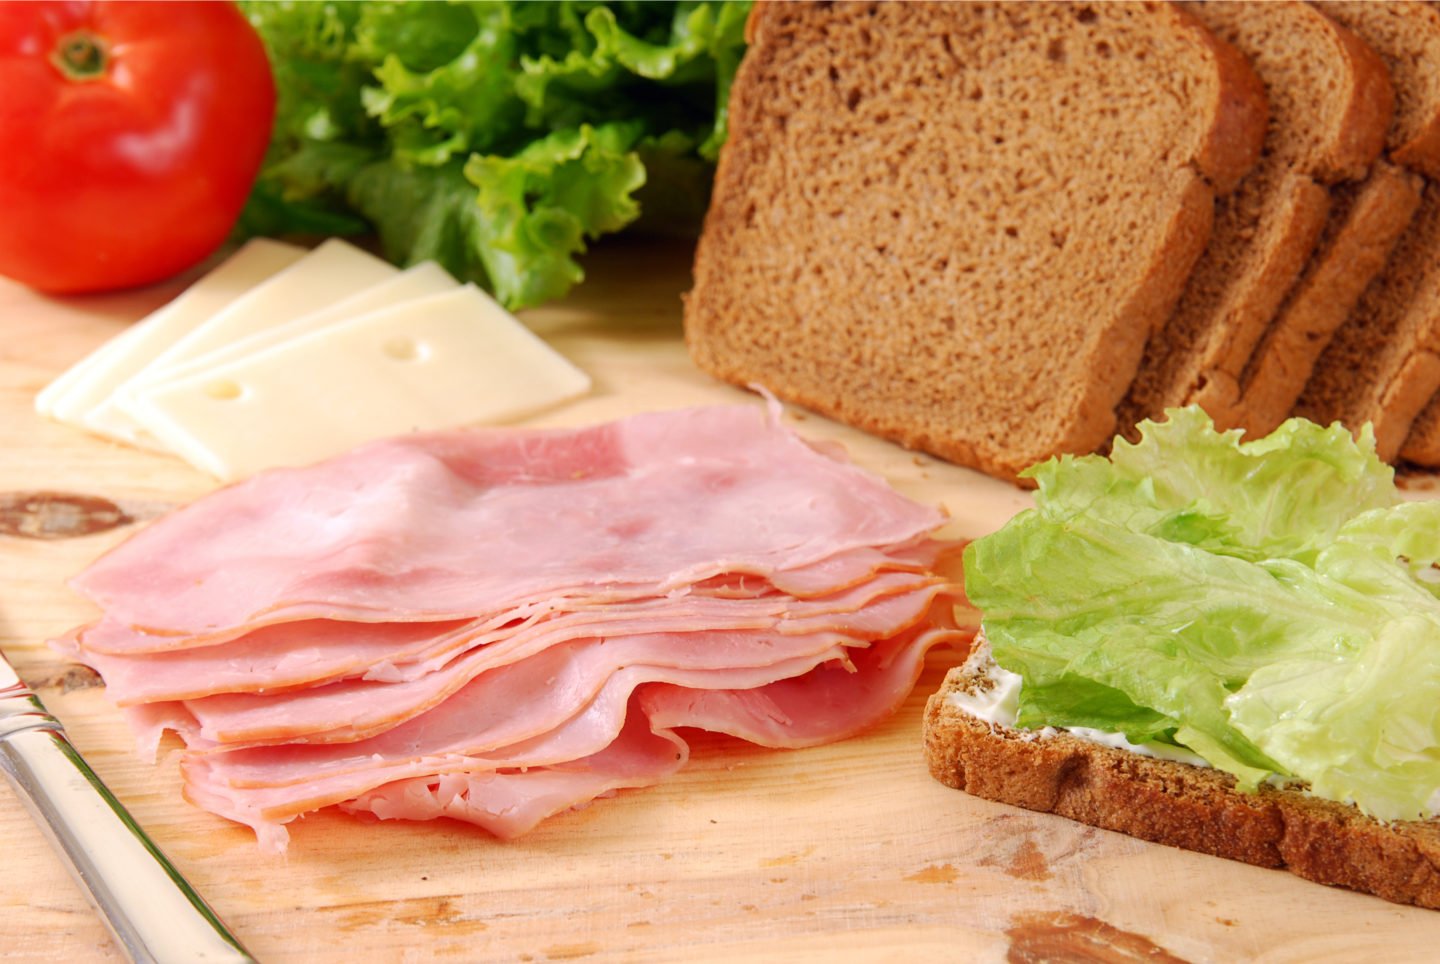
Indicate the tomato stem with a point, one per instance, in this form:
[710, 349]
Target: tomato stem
[81, 56]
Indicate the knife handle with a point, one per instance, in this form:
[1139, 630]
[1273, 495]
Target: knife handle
[152, 912]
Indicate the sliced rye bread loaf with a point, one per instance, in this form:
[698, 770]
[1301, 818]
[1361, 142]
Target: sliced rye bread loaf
[1330, 105]
[1368, 218]
[1381, 366]
[1366, 222]
[955, 225]
[1191, 807]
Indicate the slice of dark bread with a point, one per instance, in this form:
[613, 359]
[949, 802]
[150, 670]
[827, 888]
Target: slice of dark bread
[1366, 222]
[1330, 105]
[1368, 218]
[1383, 364]
[1422, 445]
[1404, 33]
[956, 225]
[1177, 804]
[1380, 365]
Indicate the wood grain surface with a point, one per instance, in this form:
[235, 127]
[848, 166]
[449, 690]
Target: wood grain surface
[844, 852]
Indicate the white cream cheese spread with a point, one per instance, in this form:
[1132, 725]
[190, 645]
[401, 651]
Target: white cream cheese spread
[997, 701]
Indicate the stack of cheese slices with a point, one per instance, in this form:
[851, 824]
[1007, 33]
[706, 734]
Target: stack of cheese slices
[280, 356]
[1005, 232]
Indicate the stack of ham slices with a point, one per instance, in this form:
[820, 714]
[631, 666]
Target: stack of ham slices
[498, 625]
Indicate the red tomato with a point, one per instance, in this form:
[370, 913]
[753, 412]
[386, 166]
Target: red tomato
[130, 133]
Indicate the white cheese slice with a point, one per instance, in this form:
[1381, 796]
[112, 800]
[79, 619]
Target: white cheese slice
[49, 397]
[335, 270]
[91, 380]
[426, 278]
[446, 360]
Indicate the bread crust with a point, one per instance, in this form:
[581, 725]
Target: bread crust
[1257, 296]
[1422, 445]
[1366, 117]
[1240, 110]
[1405, 396]
[1423, 152]
[1180, 805]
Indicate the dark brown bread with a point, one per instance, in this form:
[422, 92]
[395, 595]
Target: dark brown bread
[1177, 804]
[1422, 445]
[1383, 364]
[1422, 441]
[1368, 219]
[1331, 101]
[1380, 366]
[956, 224]
[1404, 33]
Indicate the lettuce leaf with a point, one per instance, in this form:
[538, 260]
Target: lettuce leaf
[1269, 605]
[499, 138]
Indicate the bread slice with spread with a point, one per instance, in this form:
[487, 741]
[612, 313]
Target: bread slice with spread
[1221, 644]
[971, 744]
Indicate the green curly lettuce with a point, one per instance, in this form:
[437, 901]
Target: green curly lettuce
[498, 138]
[1270, 605]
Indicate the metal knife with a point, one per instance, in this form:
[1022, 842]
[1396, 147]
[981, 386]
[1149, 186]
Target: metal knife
[152, 912]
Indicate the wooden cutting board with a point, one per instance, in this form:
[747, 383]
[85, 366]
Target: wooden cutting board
[848, 851]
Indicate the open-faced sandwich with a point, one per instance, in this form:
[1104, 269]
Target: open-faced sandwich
[1231, 647]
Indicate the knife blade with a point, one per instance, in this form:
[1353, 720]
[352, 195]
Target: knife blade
[150, 909]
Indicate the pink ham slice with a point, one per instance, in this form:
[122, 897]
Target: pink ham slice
[276, 784]
[107, 638]
[351, 710]
[507, 803]
[511, 803]
[388, 532]
[495, 626]
[287, 656]
[287, 780]
[267, 793]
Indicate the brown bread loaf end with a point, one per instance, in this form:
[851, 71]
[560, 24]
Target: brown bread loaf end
[1331, 103]
[1177, 804]
[955, 225]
